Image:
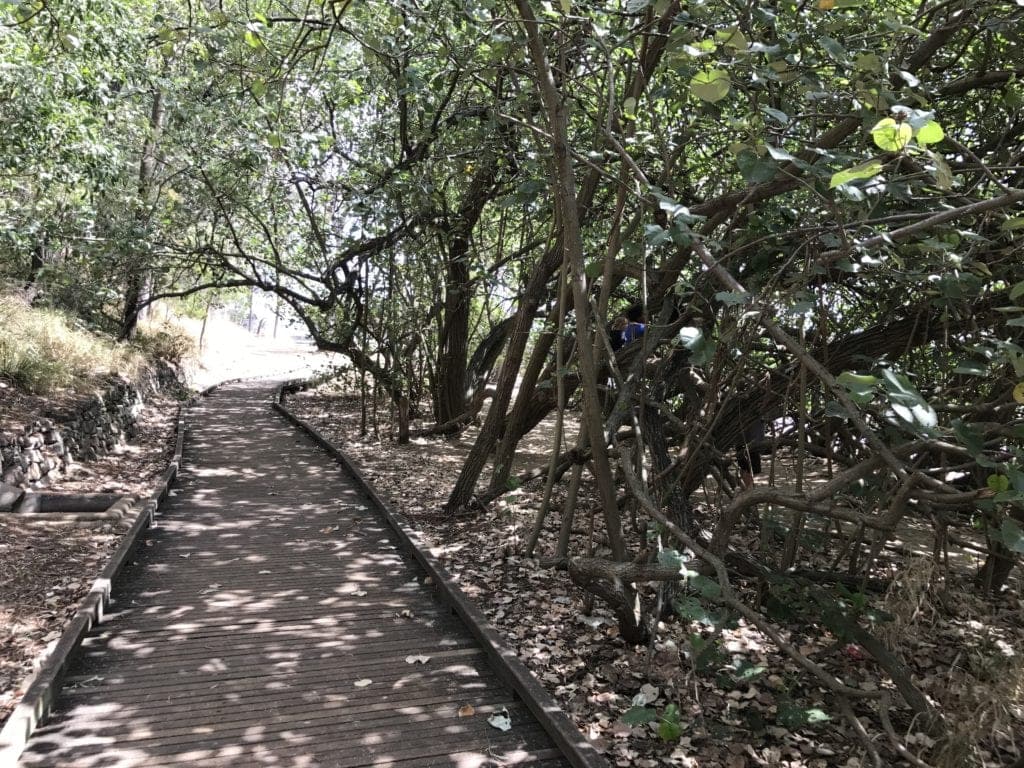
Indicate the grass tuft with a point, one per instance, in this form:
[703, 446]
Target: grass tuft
[43, 350]
[165, 341]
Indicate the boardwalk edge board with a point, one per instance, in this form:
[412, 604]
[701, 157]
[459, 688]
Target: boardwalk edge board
[574, 745]
[42, 686]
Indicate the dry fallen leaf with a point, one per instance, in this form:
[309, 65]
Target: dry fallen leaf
[417, 659]
[362, 683]
[466, 711]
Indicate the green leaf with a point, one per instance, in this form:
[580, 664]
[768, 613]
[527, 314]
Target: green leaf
[755, 170]
[708, 588]
[861, 387]
[907, 402]
[732, 298]
[1017, 222]
[629, 108]
[691, 609]
[868, 62]
[745, 671]
[834, 48]
[672, 558]
[670, 729]
[566, 6]
[1017, 291]
[792, 716]
[711, 85]
[656, 235]
[861, 171]
[731, 38]
[943, 173]
[891, 136]
[998, 483]
[1012, 536]
[778, 115]
[971, 368]
[930, 133]
[780, 154]
[639, 716]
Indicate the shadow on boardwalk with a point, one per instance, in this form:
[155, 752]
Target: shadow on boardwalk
[270, 620]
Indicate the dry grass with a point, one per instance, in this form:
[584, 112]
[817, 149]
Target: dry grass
[42, 351]
[911, 601]
[989, 706]
[981, 693]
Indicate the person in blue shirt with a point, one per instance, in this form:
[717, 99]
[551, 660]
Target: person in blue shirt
[628, 327]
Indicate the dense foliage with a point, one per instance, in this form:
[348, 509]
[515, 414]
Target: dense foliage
[818, 206]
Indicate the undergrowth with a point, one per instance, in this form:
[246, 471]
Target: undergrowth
[45, 350]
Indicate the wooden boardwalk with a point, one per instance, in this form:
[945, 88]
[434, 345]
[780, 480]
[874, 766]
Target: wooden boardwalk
[270, 620]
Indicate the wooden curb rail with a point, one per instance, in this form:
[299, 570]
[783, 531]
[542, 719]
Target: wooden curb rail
[43, 685]
[563, 732]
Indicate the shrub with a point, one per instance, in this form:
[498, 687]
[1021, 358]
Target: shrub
[165, 341]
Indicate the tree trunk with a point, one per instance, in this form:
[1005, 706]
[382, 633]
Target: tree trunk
[569, 219]
[454, 339]
[137, 268]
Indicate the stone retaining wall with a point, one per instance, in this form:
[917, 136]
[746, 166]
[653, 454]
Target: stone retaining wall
[89, 429]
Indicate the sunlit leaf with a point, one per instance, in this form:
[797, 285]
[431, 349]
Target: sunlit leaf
[930, 133]
[890, 135]
[862, 171]
[732, 38]
[711, 85]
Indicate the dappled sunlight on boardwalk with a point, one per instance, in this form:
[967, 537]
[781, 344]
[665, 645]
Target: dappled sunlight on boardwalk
[270, 620]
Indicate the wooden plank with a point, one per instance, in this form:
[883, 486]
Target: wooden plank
[247, 651]
[425, 696]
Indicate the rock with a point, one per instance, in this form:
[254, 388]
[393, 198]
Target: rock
[29, 504]
[9, 497]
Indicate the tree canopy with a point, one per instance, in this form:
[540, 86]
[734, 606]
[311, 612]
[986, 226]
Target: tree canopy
[816, 205]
